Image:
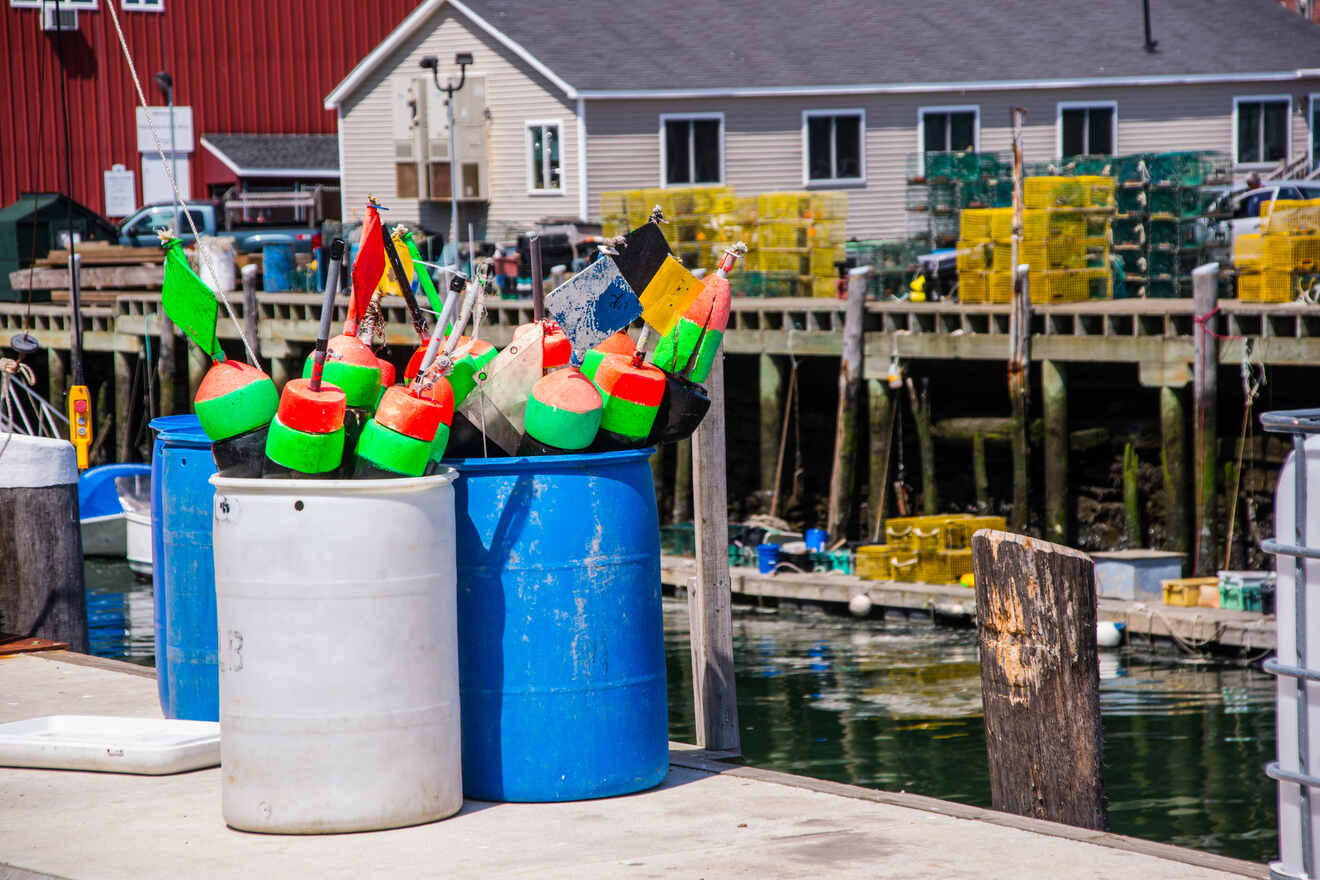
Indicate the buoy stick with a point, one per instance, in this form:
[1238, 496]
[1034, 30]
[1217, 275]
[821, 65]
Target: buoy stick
[446, 312]
[640, 354]
[327, 312]
[538, 285]
[401, 277]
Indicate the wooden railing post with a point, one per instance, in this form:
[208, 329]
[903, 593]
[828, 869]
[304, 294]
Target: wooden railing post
[1205, 424]
[843, 473]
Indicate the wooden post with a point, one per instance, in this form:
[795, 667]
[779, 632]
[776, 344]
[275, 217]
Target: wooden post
[1019, 354]
[843, 471]
[57, 368]
[683, 480]
[1173, 464]
[1054, 401]
[42, 592]
[1040, 678]
[123, 403]
[658, 480]
[165, 367]
[1131, 505]
[251, 310]
[1205, 384]
[710, 598]
[980, 475]
[771, 413]
[930, 497]
[880, 409]
[198, 363]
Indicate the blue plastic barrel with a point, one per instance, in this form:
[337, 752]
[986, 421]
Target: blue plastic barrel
[277, 264]
[560, 640]
[816, 539]
[767, 557]
[184, 570]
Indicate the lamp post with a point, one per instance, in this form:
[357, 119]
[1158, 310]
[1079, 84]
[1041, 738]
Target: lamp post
[431, 63]
[165, 83]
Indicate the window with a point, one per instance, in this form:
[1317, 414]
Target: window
[1088, 129]
[1262, 129]
[947, 129]
[80, 5]
[144, 5]
[544, 171]
[834, 150]
[1314, 155]
[691, 149]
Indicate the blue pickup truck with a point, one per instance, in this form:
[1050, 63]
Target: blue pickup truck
[139, 230]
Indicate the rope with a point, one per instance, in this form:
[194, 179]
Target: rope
[178, 197]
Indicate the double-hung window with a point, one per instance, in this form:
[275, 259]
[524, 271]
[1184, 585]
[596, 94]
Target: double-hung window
[1088, 129]
[948, 129]
[691, 149]
[1262, 129]
[834, 146]
[544, 158]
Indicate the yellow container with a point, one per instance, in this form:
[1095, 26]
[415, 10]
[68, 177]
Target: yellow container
[782, 260]
[827, 234]
[827, 206]
[972, 287]
[946, 566]
[1276, 286]
[1001, 223]
[1186, 591]
[999, 287]
[1099, 191]
[873, 562]
[614, 203]
[823, 260]
[972, 254]
[960, 531]
[1248, 286]
[1055, 192]
[974, 224]
[898, 534]
[825, 288]
[1248, 251]
[905, 568]
[781, 235]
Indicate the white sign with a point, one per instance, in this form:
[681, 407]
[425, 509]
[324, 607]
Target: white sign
[160, 120]
[156, 181]
[120, 194]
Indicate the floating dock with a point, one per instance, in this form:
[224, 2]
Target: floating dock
[1195, 629]
[710, 818]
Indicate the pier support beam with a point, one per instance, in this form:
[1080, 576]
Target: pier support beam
[1173, 464]
[683, 480]
[771, 413]
[1131, 503]
[165, 367]
[282, 369]
[843, 473]
[1205, 384]
[198, 363]
[930, 496]
[710, 600]
[1054, 400]
[881, 410]
[57, 368]
[1040, 678]
[251, 311]
[123, 403]
[980, 474]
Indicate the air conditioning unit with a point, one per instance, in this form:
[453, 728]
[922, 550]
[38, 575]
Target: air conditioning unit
[58, 19]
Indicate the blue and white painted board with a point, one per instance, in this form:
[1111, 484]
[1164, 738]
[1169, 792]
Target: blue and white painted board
[593, 304]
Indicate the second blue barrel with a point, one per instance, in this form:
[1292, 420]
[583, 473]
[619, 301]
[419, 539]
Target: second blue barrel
[560, 637]
[183, 570]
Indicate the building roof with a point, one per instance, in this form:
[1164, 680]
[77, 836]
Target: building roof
[605, 49]
[276, 155]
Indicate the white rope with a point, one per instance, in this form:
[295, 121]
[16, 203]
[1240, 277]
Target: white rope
[165, 166]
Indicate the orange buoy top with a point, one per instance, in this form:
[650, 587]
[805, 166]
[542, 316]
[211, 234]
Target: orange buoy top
[227, 376]
[312, 412]
[443, 393]
[619, 343]
[401, 410]
[567, 390]
[714, 301]
[556, 349]
[386, 372]
[618, 378]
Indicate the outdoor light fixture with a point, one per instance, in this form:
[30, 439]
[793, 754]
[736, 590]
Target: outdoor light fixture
[432, 63]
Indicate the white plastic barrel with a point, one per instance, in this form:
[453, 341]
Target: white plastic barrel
[215, 258]
[1290, 839]
[339, 701]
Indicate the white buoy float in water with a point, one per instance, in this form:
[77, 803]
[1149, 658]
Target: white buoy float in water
[860, 605]
[1109, 634]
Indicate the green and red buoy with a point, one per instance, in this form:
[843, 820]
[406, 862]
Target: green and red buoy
[630, 393]
[618, 343]
[235, 403]
[563, 413]
[398, 441]
[307, 434]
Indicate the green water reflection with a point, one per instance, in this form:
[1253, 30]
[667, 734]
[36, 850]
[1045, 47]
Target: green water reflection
[896, 705]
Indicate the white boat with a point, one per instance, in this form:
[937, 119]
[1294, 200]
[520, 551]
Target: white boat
[114, 503]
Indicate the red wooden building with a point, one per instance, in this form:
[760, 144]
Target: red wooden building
[240, 66]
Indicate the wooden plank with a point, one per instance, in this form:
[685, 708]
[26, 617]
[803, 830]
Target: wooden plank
[93, 278]
[1040, 678]
[710, 599]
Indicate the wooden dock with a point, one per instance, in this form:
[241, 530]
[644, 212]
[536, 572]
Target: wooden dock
[1195, 629]
[710, 819]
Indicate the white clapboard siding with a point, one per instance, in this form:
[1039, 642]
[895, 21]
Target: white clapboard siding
[516, 94]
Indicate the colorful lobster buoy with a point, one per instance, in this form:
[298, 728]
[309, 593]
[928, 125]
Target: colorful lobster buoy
[351, 366]
[307, 434]
[398, 439]
[563, 414]
[235, 403]
[630, 393]
[619, 343]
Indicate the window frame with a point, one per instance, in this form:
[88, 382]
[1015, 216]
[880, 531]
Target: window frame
[157, 6]
[666, 118]
[1312, 105]
[807, 180]
[527, 133]
[922, 112]
[1287, 159]
[77, 5]
[1084, 105]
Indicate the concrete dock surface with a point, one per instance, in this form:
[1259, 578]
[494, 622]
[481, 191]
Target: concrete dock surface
[709, 819]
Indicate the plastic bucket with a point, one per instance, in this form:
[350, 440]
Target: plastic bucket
[182, 573]
[339, 666]
[816, 539]
[561, 645]
[767, 557]
[277, 265]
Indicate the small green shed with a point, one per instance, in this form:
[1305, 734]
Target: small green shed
[31, 228]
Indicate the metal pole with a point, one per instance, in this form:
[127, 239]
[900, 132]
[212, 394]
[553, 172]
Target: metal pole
[174, 152]
[453, 176]
[1300, 624]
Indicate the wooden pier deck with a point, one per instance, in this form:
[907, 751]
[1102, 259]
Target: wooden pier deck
[709, 819]
[1194, 628]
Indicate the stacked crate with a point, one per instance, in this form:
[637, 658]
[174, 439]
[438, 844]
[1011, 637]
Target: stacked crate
[1162, 200]
[892, 261]
[700, 221]
[932, 549]
[984, 252]
[1283, 259]
[800, 236]
[940, 186]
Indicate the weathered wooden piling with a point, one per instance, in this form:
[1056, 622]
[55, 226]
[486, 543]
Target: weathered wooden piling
[930, 496]
[1173, 466]
[251, 311]
[683, 480]
[282, 369]
[980, 475]
[1205, 385]
[42, 593]
[198, 363]
[57, 372]
[166, 366]
[881, 411]
[1040, 678]
[771, 411]
[1019, 341]
[123, 403]
[710, 599]
[1131, 504]
[1054, 400]
[843, 471]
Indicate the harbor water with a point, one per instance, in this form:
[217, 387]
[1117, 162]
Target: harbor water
[896, 705]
